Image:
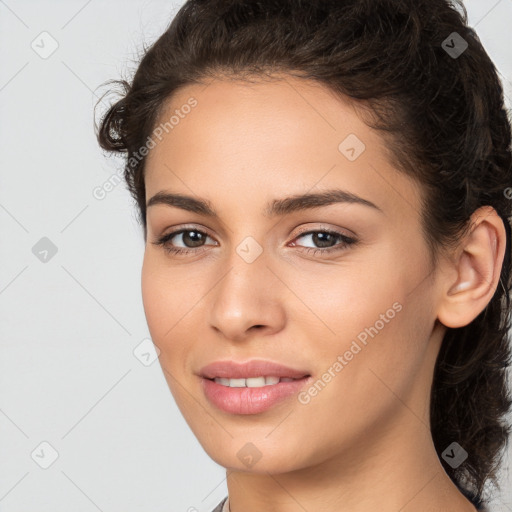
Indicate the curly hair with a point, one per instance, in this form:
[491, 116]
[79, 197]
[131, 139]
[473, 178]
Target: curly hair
[442, 116]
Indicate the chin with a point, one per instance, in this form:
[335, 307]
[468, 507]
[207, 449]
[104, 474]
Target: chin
[257, 456]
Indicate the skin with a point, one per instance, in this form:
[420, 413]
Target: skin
[363, 442]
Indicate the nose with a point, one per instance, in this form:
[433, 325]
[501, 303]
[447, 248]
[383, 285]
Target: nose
[247, 300]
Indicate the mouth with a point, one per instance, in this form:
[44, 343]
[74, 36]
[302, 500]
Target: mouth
[253, 382]
[251, 395]
[250, 387]
[250, 373]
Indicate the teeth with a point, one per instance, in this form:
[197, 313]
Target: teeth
[255, 382]
[252, 382]
[236, 383]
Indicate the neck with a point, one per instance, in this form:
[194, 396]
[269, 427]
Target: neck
[398, 470]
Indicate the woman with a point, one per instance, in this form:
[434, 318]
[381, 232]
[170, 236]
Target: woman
[325, 192]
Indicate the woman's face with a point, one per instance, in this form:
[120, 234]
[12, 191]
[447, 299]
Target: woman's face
[354, 310]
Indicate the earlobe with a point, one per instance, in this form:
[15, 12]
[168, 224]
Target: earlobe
[478, 269]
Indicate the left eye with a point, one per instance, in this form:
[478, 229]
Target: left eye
[325, 238]
[193, 240]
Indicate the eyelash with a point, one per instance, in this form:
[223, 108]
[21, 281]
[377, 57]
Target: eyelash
[165, 239]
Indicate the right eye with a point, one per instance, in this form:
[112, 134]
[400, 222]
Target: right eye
[193, 237]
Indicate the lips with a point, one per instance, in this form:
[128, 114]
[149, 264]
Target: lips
[250, 369]
[246, 400]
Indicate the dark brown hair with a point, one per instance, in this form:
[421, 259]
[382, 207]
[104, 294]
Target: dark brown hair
[442, 116]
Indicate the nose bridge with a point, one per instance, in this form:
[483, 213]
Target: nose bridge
[247, 274]
[244, 295]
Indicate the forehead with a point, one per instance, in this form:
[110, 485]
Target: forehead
[249, 115]
[287, 134]
[287, 104]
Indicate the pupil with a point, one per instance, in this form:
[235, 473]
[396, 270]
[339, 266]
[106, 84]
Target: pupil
[195, 235]
[320, 238]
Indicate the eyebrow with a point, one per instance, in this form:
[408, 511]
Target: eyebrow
[276, 207]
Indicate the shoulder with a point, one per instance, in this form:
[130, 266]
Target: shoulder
[220, 506]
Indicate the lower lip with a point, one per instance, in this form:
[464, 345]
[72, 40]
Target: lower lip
[250, 400]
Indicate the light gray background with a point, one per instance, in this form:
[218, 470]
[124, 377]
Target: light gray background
[69, 326]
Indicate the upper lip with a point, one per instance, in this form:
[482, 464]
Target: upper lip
[253, 368]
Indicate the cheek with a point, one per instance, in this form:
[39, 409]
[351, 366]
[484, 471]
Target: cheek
[378, 357]
[372, 321]
[361, 385]
[346, 299]
[161, 298]
[172, 303]
[157, 300]
[166, 296]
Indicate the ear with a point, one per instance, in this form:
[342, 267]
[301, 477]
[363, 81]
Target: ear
[476, 267]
